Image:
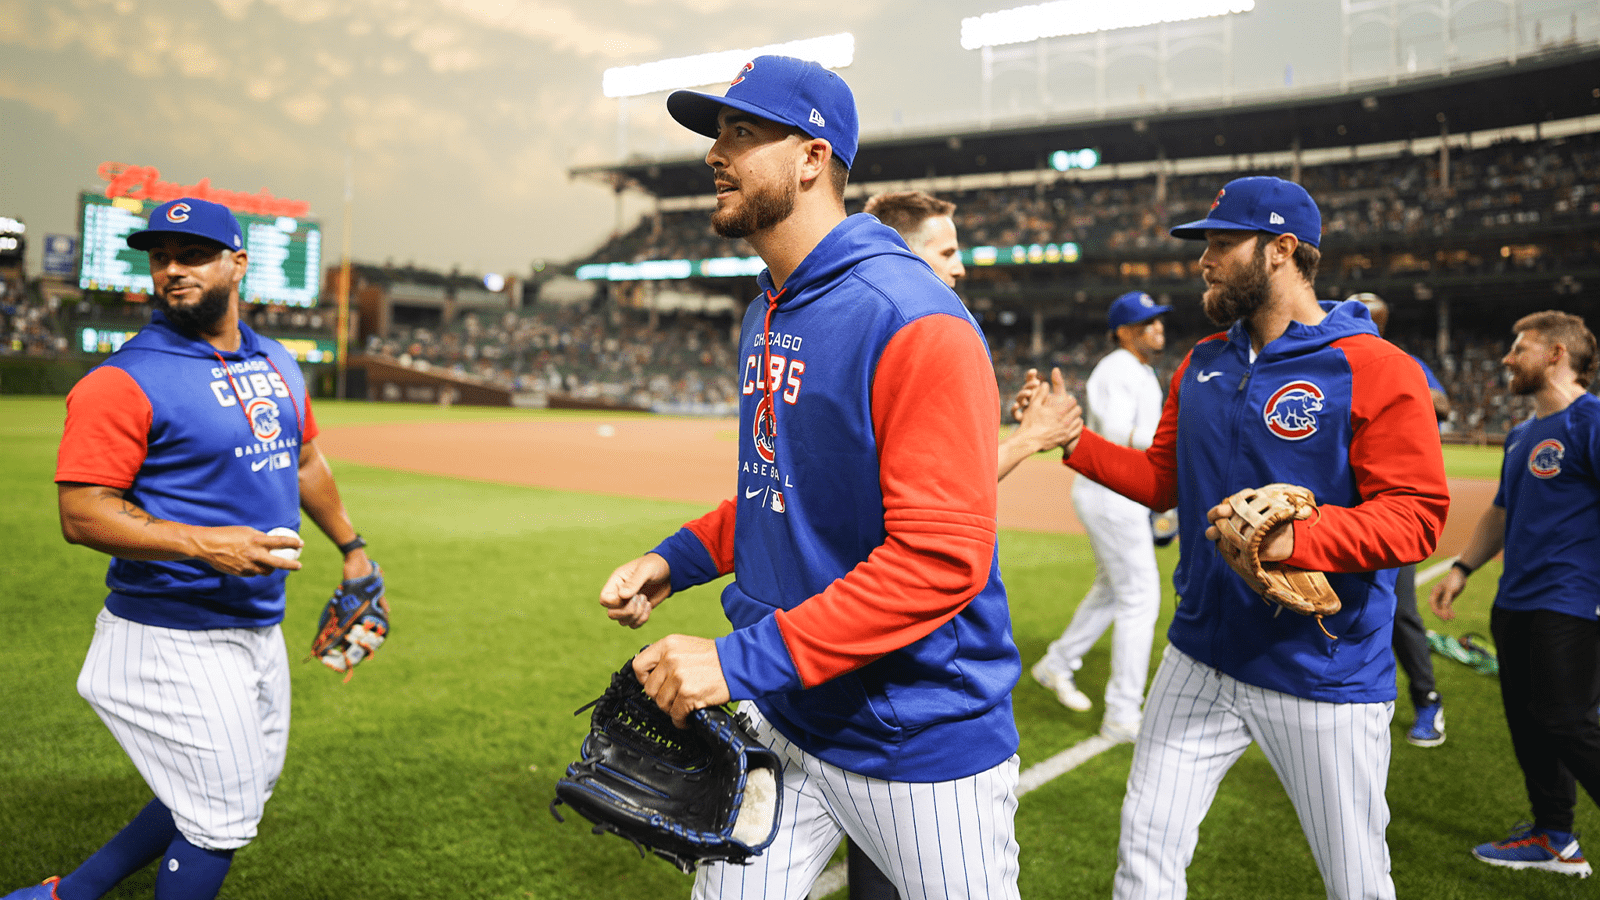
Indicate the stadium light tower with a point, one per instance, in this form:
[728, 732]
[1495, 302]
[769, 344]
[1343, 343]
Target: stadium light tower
[1089, 21]
[835, 51]
[1064, 17]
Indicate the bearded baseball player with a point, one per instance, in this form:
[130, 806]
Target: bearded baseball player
[1301, 392]
[871, 634]
[1546, 615]
[179, 454]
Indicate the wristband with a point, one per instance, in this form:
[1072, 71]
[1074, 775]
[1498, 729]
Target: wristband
[355, 544]
[1466, 570]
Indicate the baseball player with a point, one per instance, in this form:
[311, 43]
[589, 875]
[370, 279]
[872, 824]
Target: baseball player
[1546, 615]
[1411, 648]
[180, 452]
[870, 626]
[925, 223]
[1293, 391]
[1123, 398]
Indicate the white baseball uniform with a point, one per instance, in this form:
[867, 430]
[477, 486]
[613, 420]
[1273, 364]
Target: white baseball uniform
[933, 840]
[1124, 406]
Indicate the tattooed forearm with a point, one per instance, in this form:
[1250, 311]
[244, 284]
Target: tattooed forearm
[139, 515]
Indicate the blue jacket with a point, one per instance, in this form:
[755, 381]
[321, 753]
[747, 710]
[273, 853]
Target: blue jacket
[1331, 407]
[870, 621]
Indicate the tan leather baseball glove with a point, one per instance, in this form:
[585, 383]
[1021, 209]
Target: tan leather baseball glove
[1256, 511]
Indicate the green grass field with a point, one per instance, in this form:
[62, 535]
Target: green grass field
[429, 774]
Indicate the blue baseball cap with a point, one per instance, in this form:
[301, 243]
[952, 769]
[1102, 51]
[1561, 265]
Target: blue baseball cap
[1259, 203]
[186, 215]
[1132, 308]
[794, 92]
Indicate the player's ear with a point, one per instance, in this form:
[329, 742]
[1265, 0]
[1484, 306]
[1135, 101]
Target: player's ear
[814, 164]
[241, 264]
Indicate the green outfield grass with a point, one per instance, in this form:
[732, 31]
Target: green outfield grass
[429, 774]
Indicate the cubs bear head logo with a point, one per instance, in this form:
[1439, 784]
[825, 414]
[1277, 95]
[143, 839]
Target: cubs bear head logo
[1545, 459]
[765, 432]
[178, 212]
[263, 415]
[1291, 411]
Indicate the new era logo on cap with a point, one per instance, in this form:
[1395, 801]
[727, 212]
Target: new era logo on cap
[817, 119]
[1275, 219]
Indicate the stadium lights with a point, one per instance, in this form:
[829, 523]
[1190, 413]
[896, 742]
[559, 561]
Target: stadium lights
[1064, 17]
[834, 52]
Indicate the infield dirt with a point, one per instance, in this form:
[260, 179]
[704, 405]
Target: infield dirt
[694, 460]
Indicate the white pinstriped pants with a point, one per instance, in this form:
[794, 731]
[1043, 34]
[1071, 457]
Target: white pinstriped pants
[945, 839]
[204, 715]
[1333, 760]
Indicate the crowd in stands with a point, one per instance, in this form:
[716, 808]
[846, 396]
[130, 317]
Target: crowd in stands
[682, 363]
[30, 327]
[1509, 186]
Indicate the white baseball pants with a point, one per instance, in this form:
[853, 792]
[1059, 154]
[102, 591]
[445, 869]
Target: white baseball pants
[204, 715]
[947, 839]
[1333, 760]
[1126, 591]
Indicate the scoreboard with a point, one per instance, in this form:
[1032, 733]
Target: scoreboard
[285, 252]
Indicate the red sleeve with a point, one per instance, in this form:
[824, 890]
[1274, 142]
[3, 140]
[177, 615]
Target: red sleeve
[310, 430]
[938, 470]
[715, 531]
[107, 431]
[1398, 466]
[1148, 476]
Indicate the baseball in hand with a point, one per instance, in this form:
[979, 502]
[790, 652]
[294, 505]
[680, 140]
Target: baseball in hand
[285, 552]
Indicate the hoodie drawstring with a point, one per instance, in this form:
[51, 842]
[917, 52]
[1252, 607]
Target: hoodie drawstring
[300, 431]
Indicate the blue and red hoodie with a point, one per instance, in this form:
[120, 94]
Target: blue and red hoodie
[1331, 407]
[870, 625]
[198, 436]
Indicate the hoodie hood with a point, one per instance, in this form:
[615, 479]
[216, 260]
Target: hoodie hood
[850, 243]
[160, 337]
[1345, 319]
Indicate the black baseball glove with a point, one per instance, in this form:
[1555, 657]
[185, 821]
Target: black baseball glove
[702, 794]
[354, 624]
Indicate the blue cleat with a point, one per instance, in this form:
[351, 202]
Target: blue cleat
[1428, 730]
[1536, 848]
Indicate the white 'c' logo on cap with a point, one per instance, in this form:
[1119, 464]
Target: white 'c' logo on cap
[178, 213]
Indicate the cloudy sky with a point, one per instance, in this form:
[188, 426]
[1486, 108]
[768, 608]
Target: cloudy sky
[461, 118]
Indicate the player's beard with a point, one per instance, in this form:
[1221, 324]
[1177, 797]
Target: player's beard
[758, 209]
[198, 317]
[1524, 384]
[1227, 302]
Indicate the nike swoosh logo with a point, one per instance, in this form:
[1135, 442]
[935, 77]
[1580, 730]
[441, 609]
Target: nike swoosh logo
[749, 493]
[260, 464]
[1204, 377]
